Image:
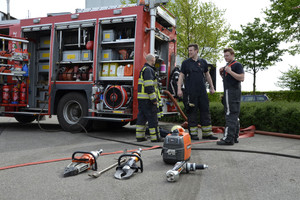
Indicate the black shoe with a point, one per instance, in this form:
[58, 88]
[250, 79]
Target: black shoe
[209, 137]
[158, 140]
[195, 137]
[223, 142]
[236, 140]
[141, 139]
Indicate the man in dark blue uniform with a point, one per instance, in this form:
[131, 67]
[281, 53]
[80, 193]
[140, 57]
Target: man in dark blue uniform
[195, 72]
[233, 75]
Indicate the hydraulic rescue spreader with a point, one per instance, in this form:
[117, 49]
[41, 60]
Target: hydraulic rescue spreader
[126, 170]
[85, 162]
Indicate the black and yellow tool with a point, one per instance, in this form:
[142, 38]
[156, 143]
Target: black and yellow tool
[126, 170]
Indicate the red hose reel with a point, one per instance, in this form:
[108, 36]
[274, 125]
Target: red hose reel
[115, 96]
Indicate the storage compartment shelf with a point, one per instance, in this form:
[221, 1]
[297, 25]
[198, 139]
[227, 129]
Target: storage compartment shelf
[115, 78]
[10, 58]
[6, 65]
[130, 40]
[13, 73]
[11, 104]
[71, 45]
[75, 62]
[117, 61]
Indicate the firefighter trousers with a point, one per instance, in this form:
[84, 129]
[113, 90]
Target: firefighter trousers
[232, 101]
[147, 113]
[201, 103]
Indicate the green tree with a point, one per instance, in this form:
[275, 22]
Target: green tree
[290, 79]
[257, 47]
[200, 23]
[284, 16]
[128, 1]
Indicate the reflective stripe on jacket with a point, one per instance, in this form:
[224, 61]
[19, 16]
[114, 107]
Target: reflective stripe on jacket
[147, 85]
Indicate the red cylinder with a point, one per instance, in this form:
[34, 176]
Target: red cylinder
[89, 45]
[5, 94]
[15, 95]
[23, 93]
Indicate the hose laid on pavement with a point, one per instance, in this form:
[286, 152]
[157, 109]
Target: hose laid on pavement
[149, 147]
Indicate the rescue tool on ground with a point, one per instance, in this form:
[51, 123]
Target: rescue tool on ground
[127, 169]
[85, 162]
[177, 146]
[173, 174]
[97, 174]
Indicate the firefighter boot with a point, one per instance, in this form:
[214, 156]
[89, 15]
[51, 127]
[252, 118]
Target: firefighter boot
[140, 133]
[194, 132]
[207, 133]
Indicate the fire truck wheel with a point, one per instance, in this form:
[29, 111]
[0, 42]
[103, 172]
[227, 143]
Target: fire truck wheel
[71, 108]
[24, 119]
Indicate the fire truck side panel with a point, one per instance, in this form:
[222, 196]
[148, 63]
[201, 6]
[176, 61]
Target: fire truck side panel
[72, 53]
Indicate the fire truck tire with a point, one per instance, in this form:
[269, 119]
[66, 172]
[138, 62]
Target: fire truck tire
[71, 108]
[24, 119]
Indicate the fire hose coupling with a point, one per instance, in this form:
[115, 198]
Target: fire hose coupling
[173, 174]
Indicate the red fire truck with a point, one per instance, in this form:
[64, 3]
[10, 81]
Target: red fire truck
[83, 66]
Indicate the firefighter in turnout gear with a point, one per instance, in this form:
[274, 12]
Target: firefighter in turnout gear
[233, 75]
[195, 72]
[149, 101]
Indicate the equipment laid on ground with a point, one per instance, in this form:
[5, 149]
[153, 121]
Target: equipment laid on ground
[177, 146]
[127, 169]
[97, 174]
[173, 174]
[85, 162]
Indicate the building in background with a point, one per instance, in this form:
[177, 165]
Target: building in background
[101, 3]
[4, 16]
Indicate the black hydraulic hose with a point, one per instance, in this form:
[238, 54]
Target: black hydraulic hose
[201, 149]
[247, 151]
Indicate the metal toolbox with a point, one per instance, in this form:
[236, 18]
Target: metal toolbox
[108, 35]
[109, 54]
[86, 55]
[71, 55]
[44, 67]
[44, 55]
[45, 42]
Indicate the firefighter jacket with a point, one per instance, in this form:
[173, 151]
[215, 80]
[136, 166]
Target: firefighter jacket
[148, 87]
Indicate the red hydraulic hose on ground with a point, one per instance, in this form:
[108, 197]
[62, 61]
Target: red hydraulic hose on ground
[62, 159]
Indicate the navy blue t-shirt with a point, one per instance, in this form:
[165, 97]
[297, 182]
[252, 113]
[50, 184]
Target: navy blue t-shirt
[229, 81]
[194, 75]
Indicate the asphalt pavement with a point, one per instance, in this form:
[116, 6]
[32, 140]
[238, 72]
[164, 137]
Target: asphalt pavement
[230, 175]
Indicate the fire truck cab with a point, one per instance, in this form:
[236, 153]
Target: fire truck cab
[84, 66]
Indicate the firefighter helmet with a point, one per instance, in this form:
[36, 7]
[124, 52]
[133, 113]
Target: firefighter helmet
[178, 127]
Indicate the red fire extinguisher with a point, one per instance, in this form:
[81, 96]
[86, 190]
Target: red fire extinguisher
[15, 95]
[23, 93]
[5, 94]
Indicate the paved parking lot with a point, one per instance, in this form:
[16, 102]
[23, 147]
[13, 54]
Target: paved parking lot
[231, 175]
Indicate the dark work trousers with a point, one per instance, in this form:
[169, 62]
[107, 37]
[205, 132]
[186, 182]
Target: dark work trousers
[148, 112]
[232, 101]
[201, 104]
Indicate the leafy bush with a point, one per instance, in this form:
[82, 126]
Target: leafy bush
[282, 117]
[290, 96]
